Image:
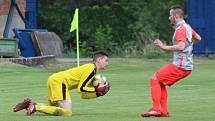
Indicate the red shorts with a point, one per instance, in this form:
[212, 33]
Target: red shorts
[169, 74]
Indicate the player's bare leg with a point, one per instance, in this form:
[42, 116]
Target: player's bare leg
[66, 104]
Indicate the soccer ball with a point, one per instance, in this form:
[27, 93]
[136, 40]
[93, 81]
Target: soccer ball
[99, 80]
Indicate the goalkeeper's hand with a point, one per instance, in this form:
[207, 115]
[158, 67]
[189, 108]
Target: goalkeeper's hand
[101, 90]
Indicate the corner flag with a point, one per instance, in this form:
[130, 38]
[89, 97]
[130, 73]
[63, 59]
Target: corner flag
[74, 26]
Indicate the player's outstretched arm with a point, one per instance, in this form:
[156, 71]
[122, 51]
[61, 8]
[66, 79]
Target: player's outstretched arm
[177, 47]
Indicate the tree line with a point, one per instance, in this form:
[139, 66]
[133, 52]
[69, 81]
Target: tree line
[122, 28]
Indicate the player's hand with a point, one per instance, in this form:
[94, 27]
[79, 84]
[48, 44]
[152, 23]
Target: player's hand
[107, 88]
[101, 90]
[158, 43]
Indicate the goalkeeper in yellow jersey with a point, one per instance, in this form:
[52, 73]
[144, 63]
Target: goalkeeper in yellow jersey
[59, 84]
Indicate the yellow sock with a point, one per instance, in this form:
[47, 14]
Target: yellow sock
[53, 110]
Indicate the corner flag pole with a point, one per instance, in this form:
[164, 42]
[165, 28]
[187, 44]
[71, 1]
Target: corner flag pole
[74, 26]
[77, 38]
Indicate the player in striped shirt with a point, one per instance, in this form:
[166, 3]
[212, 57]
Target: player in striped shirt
[183, 39]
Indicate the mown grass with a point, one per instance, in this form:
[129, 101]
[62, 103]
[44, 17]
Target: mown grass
[191, 99]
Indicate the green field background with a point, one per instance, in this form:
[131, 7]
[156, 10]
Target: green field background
[191, 99]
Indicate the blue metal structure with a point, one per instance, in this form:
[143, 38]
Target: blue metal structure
[201, 16]
[25, 44]
[32, 13]
[13, 6]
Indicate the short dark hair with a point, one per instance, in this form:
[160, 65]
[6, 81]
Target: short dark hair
[178, 10]
[99, 54]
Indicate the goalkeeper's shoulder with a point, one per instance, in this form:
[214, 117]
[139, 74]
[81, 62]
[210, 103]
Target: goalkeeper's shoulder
[91, 66]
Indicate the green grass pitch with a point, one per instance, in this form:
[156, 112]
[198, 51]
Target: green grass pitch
[191, 99]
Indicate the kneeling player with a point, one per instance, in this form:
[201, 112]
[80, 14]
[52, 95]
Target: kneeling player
[60, 83]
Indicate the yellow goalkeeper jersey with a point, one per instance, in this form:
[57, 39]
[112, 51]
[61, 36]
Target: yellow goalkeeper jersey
[79, 77]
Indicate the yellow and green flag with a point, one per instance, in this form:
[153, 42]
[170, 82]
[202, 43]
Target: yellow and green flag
[74, 24]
